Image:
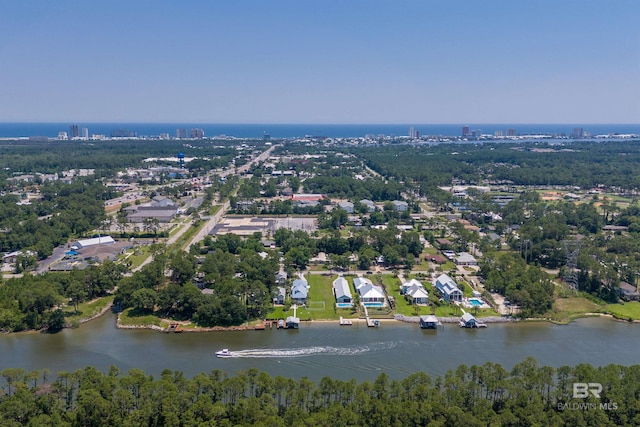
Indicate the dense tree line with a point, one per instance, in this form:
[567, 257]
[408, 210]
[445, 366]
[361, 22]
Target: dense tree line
[240, 279]
[35, 302]
[367, 245]
[572, 163]
[549, 230]
[106, 156]
[526, 395]
[63, 210]
[347, 187]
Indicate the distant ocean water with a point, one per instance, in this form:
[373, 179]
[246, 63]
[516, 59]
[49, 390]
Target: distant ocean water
[9, 130]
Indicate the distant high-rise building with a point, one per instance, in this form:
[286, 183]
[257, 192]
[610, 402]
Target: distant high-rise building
[465, 131]
[511, 132]
[123, 133]
[164, 136]
[197, 133]
[578, 133]
[84, 132]
[74, 131]
[62, 135]
[498, 134]
[416, 134]
[181, 133]
[266, 137]
[411, 132]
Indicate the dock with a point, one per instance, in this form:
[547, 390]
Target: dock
[174, 327]
[345, 322]
[266, 324]
[372, 323]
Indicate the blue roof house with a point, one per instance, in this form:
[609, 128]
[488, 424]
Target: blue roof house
[448, 288]
[300, 291]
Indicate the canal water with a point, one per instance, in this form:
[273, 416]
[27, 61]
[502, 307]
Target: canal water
[325, 349]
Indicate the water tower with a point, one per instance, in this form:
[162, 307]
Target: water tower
[181, 160]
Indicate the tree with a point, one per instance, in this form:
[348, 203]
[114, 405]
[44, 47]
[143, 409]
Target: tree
[143, 300]
[77, 293]
[56, 321]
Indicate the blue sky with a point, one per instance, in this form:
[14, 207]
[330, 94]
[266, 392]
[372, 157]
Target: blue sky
[325, 61]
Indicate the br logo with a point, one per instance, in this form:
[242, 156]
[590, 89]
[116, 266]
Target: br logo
[582, 390]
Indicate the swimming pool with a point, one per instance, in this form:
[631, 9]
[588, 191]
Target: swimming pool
[475, 302]
[343, 304]
[374, 304]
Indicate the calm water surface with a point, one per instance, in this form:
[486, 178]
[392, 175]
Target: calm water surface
[318, 350]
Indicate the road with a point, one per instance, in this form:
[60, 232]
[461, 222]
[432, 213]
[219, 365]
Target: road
[215, 219]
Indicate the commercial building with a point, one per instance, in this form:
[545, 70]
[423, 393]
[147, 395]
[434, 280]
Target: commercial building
[74, 131]
[197, 133]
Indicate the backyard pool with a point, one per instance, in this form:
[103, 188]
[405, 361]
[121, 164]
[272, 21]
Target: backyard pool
[475, 302]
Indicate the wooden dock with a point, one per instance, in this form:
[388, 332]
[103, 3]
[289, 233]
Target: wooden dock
[345, 322]
[372, 323]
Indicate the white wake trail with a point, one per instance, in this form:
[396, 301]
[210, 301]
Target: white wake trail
[312, 351]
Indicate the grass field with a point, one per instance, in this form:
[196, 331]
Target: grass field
[321, 290]
[87, 309]
[130, 317]
[626, 311]
[138, 256]
[567, 309]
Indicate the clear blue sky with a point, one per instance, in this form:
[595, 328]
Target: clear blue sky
[325, 61]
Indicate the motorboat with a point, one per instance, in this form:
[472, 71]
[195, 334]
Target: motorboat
[224, 353]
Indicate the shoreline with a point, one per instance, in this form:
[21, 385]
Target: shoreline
[397, 318]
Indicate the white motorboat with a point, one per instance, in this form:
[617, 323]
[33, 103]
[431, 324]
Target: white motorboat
[224, 353]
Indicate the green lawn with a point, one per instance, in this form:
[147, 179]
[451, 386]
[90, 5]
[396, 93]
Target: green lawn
[140, 254]
[321, 290]
[131, 317]
[430, 251]
[626, 311]
[87, 309]
[567, 309]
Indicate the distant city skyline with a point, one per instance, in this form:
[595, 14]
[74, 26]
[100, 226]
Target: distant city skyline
[286, 61]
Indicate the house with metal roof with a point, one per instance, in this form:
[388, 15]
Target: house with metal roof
[400, 206]
[417, 294]
[370, 294]
[300, 290]
[448, 288]
[465, 258]
[409, 283]
[342, 292]
[371, 207]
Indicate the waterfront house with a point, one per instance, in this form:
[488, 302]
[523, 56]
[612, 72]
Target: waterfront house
[370, 294]
[300, 290]
[448, 288]
[341, 291]
[429, 322]
[418, 295]
[358, 282]
[409, 283]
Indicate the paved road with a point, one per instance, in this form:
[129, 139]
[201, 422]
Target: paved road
[215, 219]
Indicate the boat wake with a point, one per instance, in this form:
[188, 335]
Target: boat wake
[312, 351]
